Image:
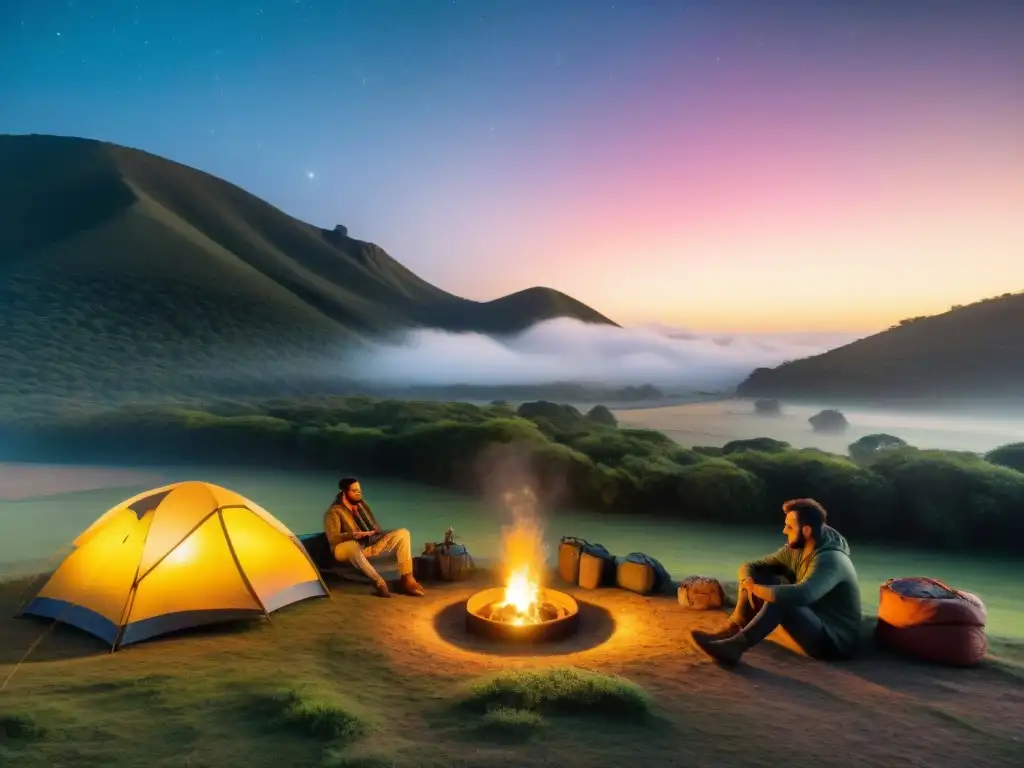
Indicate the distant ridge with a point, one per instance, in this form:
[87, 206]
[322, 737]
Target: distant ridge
[113, 256]
[970, 353]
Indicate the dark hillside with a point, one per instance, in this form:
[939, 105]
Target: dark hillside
[974, 352]
[124, 269]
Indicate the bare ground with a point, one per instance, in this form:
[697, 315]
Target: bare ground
[182, 700]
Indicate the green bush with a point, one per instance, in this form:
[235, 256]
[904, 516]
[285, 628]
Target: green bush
[312, 712]
[762, 444]
[18, 726]
[953, 498]
[828, 421]
[510, 723]
[869, 446]
[1010, 455]
[930, 498]
[600, 414]
[561, 690]
[855, 497]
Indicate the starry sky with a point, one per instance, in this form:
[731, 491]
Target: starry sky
[725, 166]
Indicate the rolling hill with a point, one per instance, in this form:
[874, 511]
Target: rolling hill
[129, 270]
[970, 353]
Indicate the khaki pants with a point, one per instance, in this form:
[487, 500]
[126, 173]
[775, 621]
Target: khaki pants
[398, 541]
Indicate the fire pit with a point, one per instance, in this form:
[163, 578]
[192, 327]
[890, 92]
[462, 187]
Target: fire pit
[522, 611]
[522, 615]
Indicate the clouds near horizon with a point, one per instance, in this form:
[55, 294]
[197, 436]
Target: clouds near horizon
[570, 351]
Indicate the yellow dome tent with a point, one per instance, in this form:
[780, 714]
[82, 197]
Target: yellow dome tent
[179, 556]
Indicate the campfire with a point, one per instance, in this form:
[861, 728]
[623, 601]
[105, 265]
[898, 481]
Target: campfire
[522, 609]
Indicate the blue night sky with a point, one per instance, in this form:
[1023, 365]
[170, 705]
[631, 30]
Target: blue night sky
[492, 145]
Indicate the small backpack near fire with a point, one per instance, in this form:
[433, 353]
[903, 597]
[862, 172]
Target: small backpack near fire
[454, 563]
[587, 565]
[701, 593]
[570, 550]
[641, 573]
[597, 567]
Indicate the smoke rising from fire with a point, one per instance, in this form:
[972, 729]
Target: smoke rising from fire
[522, 540]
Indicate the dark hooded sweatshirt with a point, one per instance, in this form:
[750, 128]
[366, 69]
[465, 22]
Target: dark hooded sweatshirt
[824, 581]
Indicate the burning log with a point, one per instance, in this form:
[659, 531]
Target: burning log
[510, 614]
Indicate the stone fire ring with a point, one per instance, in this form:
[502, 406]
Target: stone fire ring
[545, 631]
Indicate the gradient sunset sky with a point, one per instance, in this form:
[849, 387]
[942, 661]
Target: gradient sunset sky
[755, 166]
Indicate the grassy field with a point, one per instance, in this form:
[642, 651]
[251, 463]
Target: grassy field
[358, 681]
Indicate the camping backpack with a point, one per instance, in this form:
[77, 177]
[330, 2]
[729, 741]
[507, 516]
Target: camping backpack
[597, 567]
[569, 552]
[701, 593]
[454, 562]
[641, 573]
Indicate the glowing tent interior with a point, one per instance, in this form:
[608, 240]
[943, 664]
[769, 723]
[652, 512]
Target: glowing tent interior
[179, 556]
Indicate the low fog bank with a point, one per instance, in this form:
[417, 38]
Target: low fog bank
[566, 350]
[715, 424]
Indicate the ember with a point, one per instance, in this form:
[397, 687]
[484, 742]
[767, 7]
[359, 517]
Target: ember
[510, 614]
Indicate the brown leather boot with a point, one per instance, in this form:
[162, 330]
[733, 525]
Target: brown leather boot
[410, 586]
[381, 588]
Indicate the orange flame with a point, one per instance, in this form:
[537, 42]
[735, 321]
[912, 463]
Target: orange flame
[522, 555]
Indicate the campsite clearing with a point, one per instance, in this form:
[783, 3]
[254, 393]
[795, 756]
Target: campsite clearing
[358, 681]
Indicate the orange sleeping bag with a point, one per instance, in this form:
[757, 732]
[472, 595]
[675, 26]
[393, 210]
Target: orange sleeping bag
[928, 620]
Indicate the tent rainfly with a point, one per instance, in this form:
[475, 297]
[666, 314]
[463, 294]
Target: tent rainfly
[179, 556]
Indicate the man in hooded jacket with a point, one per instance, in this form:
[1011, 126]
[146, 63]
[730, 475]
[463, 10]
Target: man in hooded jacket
[808, 587]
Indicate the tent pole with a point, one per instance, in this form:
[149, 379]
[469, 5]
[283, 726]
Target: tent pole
[238, 565]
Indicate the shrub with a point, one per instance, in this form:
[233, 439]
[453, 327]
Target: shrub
[548, 410]
[313, 712]
[829, 421]
[508, 722]
[600, 414]
[855, 497]
[562, 690]
[1010, 455]
[18, 726]
[934, 498]
[766, 407]
[870, 445]
[717, 489]
[951, 498]
[763, 444]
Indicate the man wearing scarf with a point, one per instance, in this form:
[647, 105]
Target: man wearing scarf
[354, 535]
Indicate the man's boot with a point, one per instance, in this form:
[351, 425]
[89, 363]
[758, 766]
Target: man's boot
[381, 588]
[727, 652]
[410, 586]
[731, 629]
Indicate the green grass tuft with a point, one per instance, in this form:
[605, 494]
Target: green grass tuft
[17, 726]
[336, 758]
[563, 690]
[314, 712]
[510, 723]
